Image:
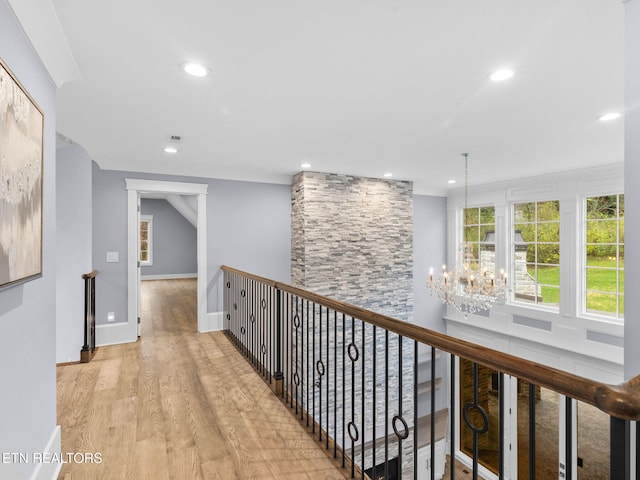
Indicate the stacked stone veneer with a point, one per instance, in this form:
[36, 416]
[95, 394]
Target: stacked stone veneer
[352, 240]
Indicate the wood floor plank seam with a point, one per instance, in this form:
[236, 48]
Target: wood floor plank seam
[179, 405]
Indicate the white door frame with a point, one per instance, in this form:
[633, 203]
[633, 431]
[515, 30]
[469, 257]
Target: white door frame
[134, 188]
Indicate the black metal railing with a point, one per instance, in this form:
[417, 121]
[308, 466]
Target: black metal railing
[89, 346]
[376, 394]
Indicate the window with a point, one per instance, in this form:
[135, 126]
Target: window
[537, 252]
[145, 246]
[479, 233]
[604, 256]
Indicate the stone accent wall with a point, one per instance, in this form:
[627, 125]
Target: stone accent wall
[352, 240]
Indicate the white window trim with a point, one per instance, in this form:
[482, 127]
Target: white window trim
[568, 332]
[582, 267]
[511, 264]
[149, 220]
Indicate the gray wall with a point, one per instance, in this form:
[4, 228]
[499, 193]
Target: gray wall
[248, 227]
[631, 191]
[73, 196]
[429, 250]
[27, 311]
[174, 240]
[110, 235]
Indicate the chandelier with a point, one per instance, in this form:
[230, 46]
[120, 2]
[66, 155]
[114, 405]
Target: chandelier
[466, 288]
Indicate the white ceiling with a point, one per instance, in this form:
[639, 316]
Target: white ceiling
[351, 86]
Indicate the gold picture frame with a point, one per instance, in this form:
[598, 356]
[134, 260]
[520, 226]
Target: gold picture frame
[21, 173]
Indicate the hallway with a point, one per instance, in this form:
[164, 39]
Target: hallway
[179, 405]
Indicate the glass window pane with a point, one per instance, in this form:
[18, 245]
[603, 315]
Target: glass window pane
[602, 207]
[549, 254]
[621, 206]
[528, 232]
[549, 295]
[621, 305]
[621, 281]
[621, 255]
[549, 275]
[471, 234]
[486, 229]
[621, 231]
[549, 232]
[471, 216]
[524, 212]
[548, 211]
[602, 231]
[601, 255]
[487, 215]
[602, 279]
[143, 256]
[602, 303]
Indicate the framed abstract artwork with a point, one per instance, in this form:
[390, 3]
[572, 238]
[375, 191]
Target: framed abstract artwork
[21, 165]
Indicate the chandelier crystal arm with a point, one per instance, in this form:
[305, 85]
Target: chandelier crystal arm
[466, 288]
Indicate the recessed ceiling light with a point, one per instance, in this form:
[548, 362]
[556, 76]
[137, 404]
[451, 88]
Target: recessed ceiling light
[195, 69]
[501, 75]
[388, 174]
[451, 182]
[305, 165]
[607, 117]
[170, 149]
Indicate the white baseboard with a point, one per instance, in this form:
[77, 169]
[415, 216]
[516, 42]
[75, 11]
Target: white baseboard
[115, 333]
[50, 470]
[213, 322]
[169, 276]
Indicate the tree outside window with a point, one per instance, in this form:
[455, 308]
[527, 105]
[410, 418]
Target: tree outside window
[604, 256]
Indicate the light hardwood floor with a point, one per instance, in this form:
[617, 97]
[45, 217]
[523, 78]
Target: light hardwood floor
[180, 405]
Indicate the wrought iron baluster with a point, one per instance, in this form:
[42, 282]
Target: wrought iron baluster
[278, 376]
[568, 433]
[433, 414]
[327, 382]
[353, 430]
[404, 433]
[532, 431]
[477, 430]
[313, 366]
[452, 418]
[302, 345]
[415, 411]
[363, 379]
[319, 369]
[306, 367]
[296, 375]
[501, 415]
[344, 406]
[373, 406]
[386, 404]
[335, 384]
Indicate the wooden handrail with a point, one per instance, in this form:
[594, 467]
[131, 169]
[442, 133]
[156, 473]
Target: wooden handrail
[621, 401]
[91, 274]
